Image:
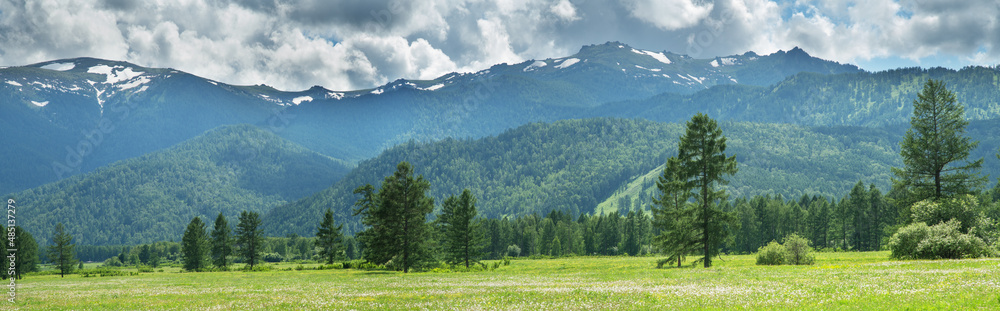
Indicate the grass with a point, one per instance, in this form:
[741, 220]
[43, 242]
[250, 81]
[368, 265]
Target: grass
[846, 281]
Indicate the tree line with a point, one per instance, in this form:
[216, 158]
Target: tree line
[936, 196]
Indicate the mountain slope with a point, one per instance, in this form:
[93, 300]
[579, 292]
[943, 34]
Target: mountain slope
[66, 117]
[853, 99]
[152, 197]
[574, 165]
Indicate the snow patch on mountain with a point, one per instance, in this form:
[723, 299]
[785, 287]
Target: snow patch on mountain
[725, 61]
[655, 55]
[14, 83]
[59, 66]
[433, 87]
[568, 62]
[650, 69]
[334, 95]
[300, 99]
[377, 91]
[115, 74]
[139, 81]
[98, 94]
[42, 85]
[536, 64]
[40, 104]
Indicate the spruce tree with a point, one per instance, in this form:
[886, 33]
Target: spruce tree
[329, 239]
[396, 216]
[673, 214]
[249, 238]
[704, 164]
[463, 236]
[26, 253]
[935, 148]
[193, 245]
[61, 252]
[222, 242]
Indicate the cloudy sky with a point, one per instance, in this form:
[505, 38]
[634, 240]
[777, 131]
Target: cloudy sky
[354, 44]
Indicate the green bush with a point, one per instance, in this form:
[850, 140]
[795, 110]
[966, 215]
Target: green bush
[273, 257]
[965, 209]
[941, 241]
[797, 251]
[771, 254]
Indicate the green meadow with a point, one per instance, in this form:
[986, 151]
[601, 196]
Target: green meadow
[838, 281]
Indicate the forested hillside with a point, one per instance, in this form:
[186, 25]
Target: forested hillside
[152, 197]
[574, 165]
[849, 99]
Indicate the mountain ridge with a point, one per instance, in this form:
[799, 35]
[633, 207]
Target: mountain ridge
[152, 197]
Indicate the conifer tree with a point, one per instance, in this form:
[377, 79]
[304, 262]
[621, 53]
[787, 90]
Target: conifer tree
[249, 238]
[463, 236]
[396, 216]
[25, 250]
[704, 165]
[61, 252]
[329, 239]
[673, 214]
[935, 148]
[222, 242]
[193, 245]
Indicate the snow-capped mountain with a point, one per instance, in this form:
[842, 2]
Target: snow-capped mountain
[64, 117]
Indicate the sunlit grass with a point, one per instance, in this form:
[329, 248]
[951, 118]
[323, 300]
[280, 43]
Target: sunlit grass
[837, 281]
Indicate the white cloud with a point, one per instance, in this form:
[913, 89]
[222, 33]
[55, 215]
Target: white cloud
[354, 44]
[565, 10]
[669, 14]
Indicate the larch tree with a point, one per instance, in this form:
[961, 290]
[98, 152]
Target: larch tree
[329, 238]
[704, 165]
[463, 238]
[62, 252]
[396, 216]
[674, 215]
[935, 148]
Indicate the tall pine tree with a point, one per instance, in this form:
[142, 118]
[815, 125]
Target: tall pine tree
[329, 239]
[935, 148]
[396, 216]
[463, 237]
[704, 165]
[673, 214]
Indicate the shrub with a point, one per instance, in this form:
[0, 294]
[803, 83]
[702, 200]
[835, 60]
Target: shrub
[273, 257]
[112, 262]
[771, 254]
[797, 251]
[513, 250]
[965, 209]
[941, 241]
